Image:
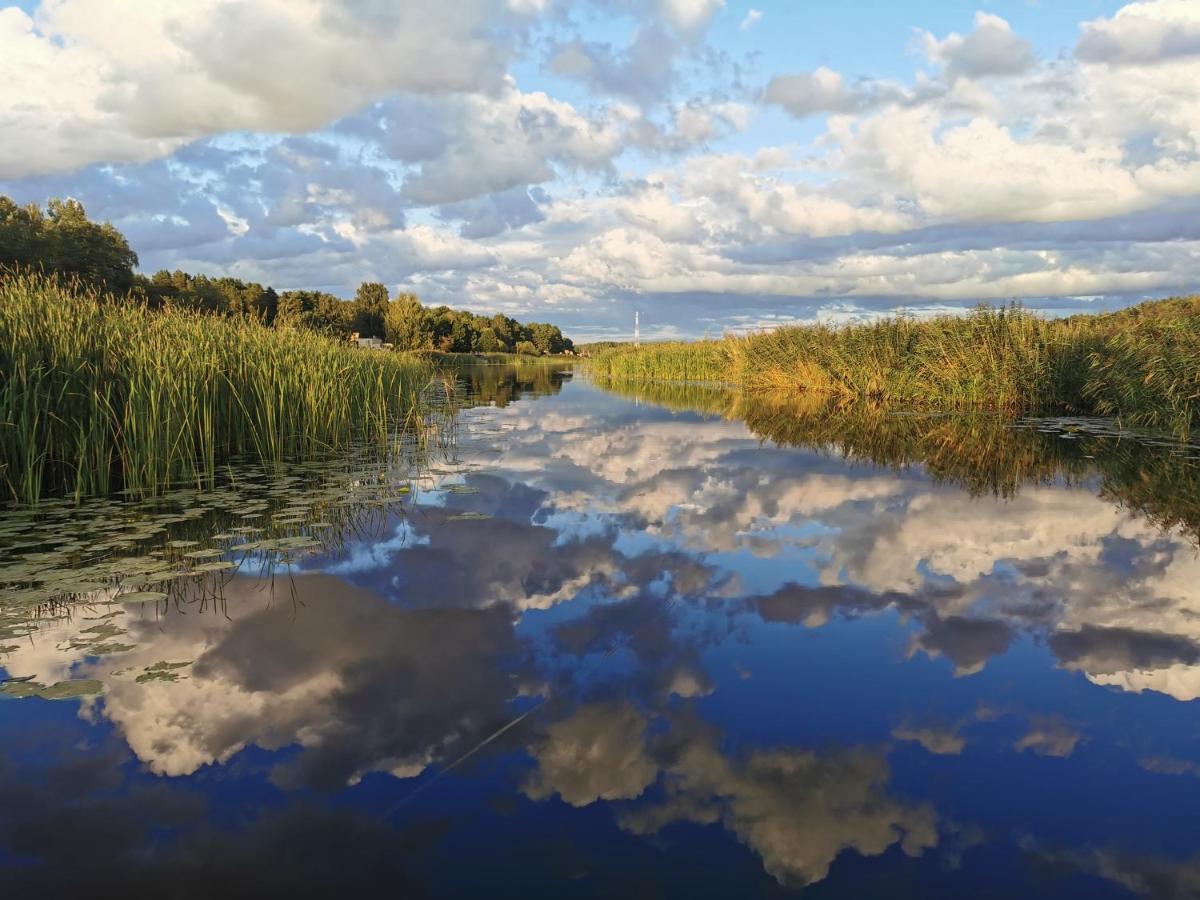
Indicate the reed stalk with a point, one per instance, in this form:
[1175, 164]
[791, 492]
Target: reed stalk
[1140, 365]
[98, 395]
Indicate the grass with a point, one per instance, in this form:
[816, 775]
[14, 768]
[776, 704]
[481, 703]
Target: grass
[1149, 375]
[97, 396]
[1141, 365]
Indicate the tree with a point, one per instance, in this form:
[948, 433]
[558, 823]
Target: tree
[547, 338]
[60, 239]
[63, 241]
[331, 314]
[488, 342]
[370, 308]
[506, 330]
[407, 324]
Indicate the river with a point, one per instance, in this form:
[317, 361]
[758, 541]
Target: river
[644, 642]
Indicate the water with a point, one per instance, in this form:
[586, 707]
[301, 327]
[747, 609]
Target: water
[613, 644]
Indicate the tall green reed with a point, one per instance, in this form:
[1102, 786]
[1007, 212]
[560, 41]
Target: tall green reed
[98, 394]
[1141, 365]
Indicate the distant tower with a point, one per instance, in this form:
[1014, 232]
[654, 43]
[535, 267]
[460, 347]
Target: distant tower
[637, 329]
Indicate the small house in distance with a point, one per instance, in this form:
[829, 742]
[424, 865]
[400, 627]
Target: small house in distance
[368, 343]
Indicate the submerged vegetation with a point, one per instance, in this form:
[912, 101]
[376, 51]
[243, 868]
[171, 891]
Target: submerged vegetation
[1140, 365]
[97, 395]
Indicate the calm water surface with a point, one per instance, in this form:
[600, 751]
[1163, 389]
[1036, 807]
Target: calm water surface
[639, 644]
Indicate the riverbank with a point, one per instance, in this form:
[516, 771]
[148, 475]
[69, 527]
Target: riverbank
[98, 395]
[1141, 365]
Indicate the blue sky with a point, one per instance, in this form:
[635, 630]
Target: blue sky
[716, 165]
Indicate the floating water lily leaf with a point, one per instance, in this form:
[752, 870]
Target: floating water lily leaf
[110, 649]
[203, 554]
[288, 544]
[141, 597]
[161, 671]
[468, 516]
[221, 566]
[145, 582]
[169, 677]
[61, 690]
[179, 545]
[104, 629]
[77, 587]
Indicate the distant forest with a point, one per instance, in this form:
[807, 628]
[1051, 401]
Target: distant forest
[61, 240]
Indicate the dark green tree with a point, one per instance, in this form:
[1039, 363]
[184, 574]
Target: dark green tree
[370, 307]
[488, 342]
[407, 324]
[63, 241]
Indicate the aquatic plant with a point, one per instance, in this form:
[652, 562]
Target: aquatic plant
[994, 358]
[97, 395]
[1149, 375]
[1140, 365]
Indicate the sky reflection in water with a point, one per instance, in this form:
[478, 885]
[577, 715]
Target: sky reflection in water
[735, 669]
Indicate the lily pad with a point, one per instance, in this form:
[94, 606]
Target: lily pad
[141, 597]
[162, 671]
[203, 554]
[60, 690]
[110, 648]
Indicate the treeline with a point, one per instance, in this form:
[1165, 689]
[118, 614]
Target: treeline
[62, 241]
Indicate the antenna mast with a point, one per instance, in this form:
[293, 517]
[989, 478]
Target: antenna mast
[637, 329]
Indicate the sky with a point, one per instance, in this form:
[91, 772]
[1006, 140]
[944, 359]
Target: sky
[717, 165]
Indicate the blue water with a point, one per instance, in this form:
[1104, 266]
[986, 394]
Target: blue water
[613, 650]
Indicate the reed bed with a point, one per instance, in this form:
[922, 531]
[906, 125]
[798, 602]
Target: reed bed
[98, 395]
[1143, 368]
[1149, 376]
[699, 361]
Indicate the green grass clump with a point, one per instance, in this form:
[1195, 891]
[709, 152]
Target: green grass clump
[96, 394]
[1140, 365]
[1149, 375]
[668, 361]
[993, 358]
